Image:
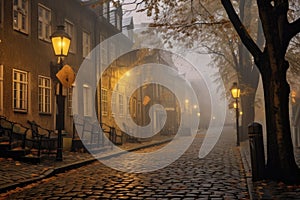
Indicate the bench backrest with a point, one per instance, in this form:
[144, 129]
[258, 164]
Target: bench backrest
[34, 129]
[6, 124]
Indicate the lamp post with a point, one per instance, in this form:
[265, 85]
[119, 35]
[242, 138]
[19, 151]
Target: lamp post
[61, 44]
[235, 93]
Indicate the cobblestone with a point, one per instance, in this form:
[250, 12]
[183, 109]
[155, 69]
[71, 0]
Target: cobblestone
[269, 189]
[220, 175]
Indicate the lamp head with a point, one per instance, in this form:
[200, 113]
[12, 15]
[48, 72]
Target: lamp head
[60, 41]
[235, 91]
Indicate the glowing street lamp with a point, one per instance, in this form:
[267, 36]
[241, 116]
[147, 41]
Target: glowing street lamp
[61, 43]
[235, 93]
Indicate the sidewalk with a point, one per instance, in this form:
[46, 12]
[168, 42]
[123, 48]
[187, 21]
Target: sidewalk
[268, 189]
[15, 174]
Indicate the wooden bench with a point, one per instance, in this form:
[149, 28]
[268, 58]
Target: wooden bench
[42, 139]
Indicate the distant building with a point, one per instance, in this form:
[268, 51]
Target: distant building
[295, 116]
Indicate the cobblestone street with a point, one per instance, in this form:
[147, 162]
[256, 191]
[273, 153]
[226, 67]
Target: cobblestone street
[220, 175]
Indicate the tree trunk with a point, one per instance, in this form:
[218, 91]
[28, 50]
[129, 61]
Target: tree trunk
[281, 163]
[271, 62]
[248, 74]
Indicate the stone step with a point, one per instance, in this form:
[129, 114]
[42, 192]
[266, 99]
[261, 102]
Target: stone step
[17, 153]
[30, 158]
[4, 138]
[4, 146]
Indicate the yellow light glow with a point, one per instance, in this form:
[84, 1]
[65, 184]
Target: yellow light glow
[60, 41]
[235, 91]
[61, 45]
[235, 105]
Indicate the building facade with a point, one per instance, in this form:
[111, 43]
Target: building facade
[28, 64]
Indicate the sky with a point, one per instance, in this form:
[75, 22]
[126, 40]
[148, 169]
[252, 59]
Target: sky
[138, 17]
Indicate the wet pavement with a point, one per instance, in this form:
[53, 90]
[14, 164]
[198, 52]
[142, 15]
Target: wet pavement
[220, 175]
[269, 189]
[223, 174]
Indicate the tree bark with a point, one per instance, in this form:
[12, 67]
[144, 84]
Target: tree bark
[281, 163]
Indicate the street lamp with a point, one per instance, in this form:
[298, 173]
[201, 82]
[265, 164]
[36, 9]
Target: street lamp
[61, 43]
[235, 93]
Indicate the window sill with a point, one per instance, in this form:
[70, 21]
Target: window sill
[45, 114]
[20, 111]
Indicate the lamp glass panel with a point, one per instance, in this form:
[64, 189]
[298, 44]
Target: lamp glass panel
[56, 43]
[61, 45]
[234, 105]
[235, 92]
[66, 45]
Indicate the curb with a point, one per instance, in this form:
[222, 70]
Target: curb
[248, 174]
[67, 167]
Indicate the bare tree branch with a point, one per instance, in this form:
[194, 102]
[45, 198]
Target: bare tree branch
[294, 28]
[175, 26]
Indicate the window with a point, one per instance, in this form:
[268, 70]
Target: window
[70, 29]
[1, 88]
[1, 12]
[113, 103]
[112, 17]
[69, 101]
[118, 18]
[127, 106]
[86, 44]
[44, 23]
[73, 100]
[105, 10]
[87, 100]
[103, 52]
[139, 109]
[20, 15]
[121, 104]
[20, 90]
[44, 94]
[112, 51]
[133, 107]
[104, 101]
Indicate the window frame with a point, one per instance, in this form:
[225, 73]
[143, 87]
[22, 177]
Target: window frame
[113, 103]
[87, 100]
[112, 51]
[72, 33]
[121, 104]
[16, 100]
[104, 102]
[44, 22]
[86, 47]
[118, 21]
[1, 13]
[103, 52]
[1, 88]
[43, 89]
[105, 10]
[112, 17]
[70, 101]
[20, 11]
